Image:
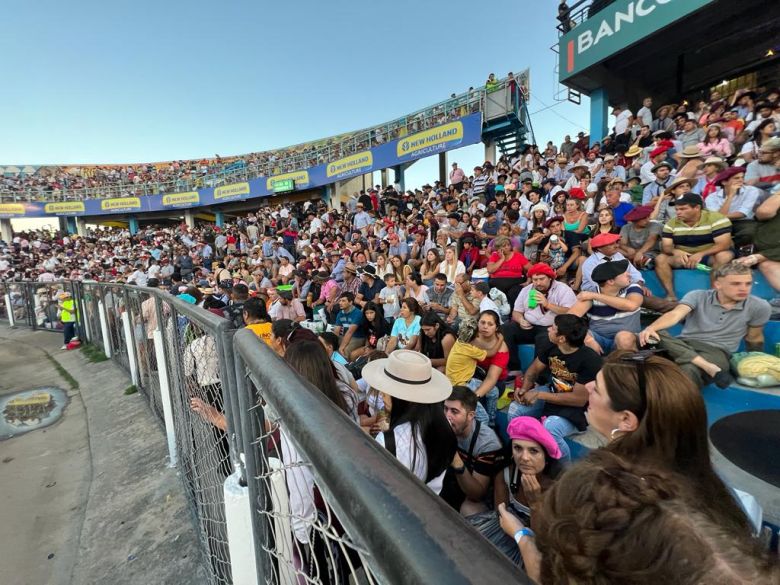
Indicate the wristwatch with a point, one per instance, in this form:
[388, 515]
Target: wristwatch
[459, 470]
[525, 531]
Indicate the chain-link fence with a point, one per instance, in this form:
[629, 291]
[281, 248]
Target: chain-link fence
[330, 505]
[326, 504]
[33, 304]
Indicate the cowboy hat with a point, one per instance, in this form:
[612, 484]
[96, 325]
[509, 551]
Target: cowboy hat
[679, 181]
[715, 160]
[633, 151]
[408, 375]
[690, 152]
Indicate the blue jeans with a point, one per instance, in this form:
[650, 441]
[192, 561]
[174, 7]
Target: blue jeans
[486, 414]
[606, 343]
[558, 427]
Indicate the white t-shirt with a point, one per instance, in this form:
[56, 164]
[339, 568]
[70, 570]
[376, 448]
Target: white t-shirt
[621, 122]
[488, 304]
[408, 453]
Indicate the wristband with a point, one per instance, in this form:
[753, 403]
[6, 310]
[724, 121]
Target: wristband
[525, 531]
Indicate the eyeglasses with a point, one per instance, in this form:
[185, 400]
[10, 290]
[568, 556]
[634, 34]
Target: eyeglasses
[638, 358]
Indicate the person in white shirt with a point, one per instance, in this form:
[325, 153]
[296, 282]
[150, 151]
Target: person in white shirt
[482, 294]
[623, 119]
[413, 392]
[645, 114]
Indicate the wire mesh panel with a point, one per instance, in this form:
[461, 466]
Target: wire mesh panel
[115, 305]
[91, 295]
[194, 372]
[142, 308]
[3, 307]
[303, 540]
[19, 304]
[330, 505]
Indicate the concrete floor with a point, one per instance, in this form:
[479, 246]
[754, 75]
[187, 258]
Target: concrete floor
[88, 499]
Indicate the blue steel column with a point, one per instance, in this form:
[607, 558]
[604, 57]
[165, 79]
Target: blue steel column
[327, 194]
[599, 109]
[132, 224]
[399, 177]
[219, 218]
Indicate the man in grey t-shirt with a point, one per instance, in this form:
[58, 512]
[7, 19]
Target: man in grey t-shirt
[716, 321]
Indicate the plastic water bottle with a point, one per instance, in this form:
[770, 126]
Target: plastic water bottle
[703, 267]
[532, 299]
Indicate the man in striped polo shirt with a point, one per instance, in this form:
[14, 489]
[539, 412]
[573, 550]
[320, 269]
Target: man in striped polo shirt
[695, 236]
[479, 183]
[613, 309]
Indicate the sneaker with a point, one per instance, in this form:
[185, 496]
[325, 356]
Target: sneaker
[64, 347]
[723, 379]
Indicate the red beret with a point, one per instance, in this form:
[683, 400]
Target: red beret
[542, 268]
[637, 213]
[660, 150]
[728, 173]
[604, 240]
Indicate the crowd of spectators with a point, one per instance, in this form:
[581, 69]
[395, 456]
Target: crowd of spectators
[420, 301]
[76, 182]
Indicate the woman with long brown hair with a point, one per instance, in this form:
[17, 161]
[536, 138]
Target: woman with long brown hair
[652, 412]
[632, 403]
[611, 519]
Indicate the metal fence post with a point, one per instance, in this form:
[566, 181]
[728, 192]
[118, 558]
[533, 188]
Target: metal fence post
[87, 326]
[165, 394]
[255, 457]
[131, 357]
[240, 535]
[10, 310]
[104, 329]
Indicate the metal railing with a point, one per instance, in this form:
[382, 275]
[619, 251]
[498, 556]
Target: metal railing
[368, 519]
[235, 414]
[284, 160]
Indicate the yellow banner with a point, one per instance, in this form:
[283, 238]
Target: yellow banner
[120, 203]
[68, 207]
[174, 199]
[231, 190]
[301, 179]
[451, 132]
[11, 209]
[350, 164]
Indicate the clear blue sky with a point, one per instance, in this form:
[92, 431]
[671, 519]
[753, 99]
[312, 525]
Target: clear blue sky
[140, 81]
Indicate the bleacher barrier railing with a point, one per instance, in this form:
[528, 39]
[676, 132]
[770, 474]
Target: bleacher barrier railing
[291, 158]
[354, 516]
[282, 487]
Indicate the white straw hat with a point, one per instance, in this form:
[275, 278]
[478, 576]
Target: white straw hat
[408, 375]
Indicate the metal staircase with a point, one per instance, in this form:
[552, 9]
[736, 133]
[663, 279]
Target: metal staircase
[506, 121]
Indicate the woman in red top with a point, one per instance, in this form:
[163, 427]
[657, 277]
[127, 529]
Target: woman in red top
[506, 268]
[488, 332]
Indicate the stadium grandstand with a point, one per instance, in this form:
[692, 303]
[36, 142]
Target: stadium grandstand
[346, 372]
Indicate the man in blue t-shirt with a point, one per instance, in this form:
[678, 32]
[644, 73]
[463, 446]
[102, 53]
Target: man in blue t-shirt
[349, 323]
[619, 209]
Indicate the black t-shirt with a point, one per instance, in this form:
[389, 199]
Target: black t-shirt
[566, 370]
[235, 314]
[368, 204]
